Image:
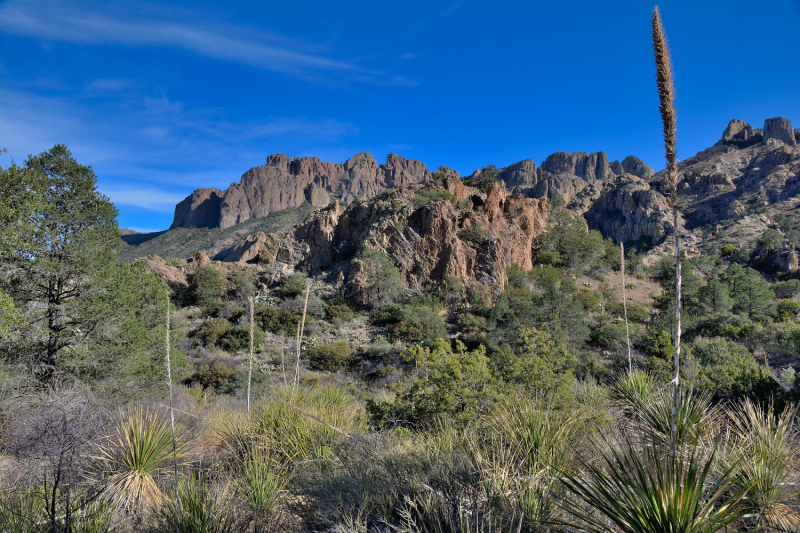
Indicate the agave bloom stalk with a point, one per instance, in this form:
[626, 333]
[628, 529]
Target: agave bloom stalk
[250, 369]
[666, 94]
[625, 305]
[171, 410]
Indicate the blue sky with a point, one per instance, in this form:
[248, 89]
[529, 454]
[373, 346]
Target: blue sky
[162, 98]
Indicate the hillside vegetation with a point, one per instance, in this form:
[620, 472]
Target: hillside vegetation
[450, 356]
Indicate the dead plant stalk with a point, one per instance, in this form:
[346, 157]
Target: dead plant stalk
[300, 328]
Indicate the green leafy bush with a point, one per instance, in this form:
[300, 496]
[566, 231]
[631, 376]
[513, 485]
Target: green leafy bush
[270, 318]
[237, 339]
[453, 382]
[727, 250]
[475, 233]
[588, 300]
[340, 308]
[208, 283]
[294, 285]
[213, 330]
[636, 312]
[411, 323]
[212, 376]
[383, 284]
[431, 194]
[331, 357]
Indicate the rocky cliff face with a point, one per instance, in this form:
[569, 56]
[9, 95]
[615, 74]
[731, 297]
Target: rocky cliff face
[730, 189]
[472, 235]
[284, 183]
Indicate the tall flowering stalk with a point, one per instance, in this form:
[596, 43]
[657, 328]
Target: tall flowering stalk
[250, 369]
[625, 305]
[666, 94]
[171, 410]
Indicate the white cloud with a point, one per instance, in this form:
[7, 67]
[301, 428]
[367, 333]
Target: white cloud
[57, 21]
[150, 198]
[410, 55]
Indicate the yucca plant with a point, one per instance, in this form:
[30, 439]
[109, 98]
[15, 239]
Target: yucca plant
[528, 445]
[765, 445]
[644, 490]
[139, 451]
[198, 510]
[262, 485]
[650, 410]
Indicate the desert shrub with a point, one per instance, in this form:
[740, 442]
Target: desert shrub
[725, 325]
[411, 323]
[726, 368]
[787, 289]
[213, 330]
[475, 233]
[293, 285]
[454, 382]
[339, 308]
[786, 309]
[331, 357]
[212, 376]
[270, 318]
[237, 339]
[380, 351]
[244, 285]
[636, 312]
[540, 366]
[383, 284]
[609, 337]
[588, 300]
[727, 250]
[429, 194]
[208, 283]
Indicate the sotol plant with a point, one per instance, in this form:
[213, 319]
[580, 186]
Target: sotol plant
[136, 454]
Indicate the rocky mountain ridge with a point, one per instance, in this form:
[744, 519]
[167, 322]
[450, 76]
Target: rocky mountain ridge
[284, 183]
[728, 193]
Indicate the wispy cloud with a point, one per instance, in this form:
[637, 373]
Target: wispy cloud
[149, 198]
[103, 25]
[410, 55]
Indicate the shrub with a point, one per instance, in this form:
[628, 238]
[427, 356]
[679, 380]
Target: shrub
[237, 339]
[270, 318]
[212, 376]
[727, 368]
[727, 250]
[208, 281]
[411, 323]
[331, 357]
[244, 284]
[339, 308]
[383, 284]
[213, 330]
[430, 194]
[787, 309]
[294, 285]
[475, 233]
[787, 289]
[588, 300]
[456, 383]
[636, 313]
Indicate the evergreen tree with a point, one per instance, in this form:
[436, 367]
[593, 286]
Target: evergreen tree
[753, 296]
[87, 314]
